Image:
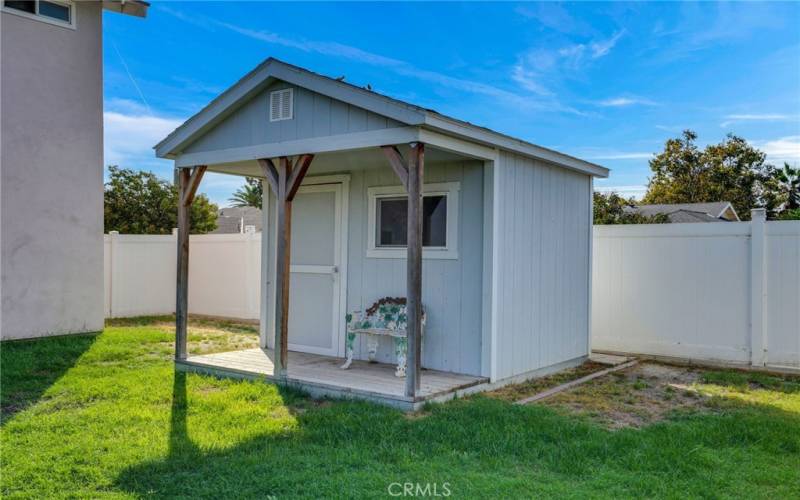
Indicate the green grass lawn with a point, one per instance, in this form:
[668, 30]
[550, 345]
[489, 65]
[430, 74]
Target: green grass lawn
[107, 416]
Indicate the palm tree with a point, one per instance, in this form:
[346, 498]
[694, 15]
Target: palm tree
[248, 195]
[789, 182]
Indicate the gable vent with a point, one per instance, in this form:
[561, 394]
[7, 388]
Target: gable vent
[281, 105]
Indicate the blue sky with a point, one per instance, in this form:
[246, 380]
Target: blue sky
[605, 82]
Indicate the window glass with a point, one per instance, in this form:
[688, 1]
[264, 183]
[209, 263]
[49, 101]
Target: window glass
[392, 217]
[392, 222]
[25, 6]
[54, 10]
[434, 221]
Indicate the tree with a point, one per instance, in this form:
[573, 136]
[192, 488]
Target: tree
[249, 195]
[787, 186]
[791, 214]
[731, 171]
[610, 208]
[141, 203]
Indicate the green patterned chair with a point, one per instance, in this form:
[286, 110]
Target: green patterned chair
[385, 317]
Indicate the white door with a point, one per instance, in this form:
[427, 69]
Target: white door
[315, 289]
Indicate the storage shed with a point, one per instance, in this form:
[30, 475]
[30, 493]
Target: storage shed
[485, 237]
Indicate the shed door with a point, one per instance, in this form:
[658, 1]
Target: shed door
[314, 290]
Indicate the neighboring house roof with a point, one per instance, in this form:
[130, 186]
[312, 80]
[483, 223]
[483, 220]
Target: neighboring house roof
[689, 212]
[231, 220]
[410, 114]
[136, 8]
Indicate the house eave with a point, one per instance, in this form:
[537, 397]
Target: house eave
[136, 8]
[487, 137]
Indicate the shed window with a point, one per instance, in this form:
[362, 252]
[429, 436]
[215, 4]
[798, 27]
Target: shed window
[388, 221]
[392, 220]
[281, 105]
[54, 12]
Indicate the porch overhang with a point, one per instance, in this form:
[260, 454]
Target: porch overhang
[227, 160]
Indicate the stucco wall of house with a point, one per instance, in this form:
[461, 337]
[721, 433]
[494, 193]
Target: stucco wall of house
[51, 178]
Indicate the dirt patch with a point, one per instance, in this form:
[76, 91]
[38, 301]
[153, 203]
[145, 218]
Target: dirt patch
[634, 397]
[515, 392]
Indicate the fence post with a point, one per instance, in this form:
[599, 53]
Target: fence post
[112, 266]
[251, 276]
[758, 299]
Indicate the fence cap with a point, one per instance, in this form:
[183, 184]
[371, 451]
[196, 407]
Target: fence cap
[758, 214]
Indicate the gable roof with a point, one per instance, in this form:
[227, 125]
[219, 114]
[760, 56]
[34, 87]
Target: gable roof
[688, 212]
[409, 114]
[235, 219]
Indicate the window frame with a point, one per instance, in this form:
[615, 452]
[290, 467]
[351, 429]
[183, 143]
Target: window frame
[450, 190]
[72, 24]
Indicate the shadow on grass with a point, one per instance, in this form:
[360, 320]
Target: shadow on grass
[477, 445]
[29, 367]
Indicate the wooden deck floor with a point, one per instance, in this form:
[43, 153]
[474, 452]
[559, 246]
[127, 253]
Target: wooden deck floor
[321, 375]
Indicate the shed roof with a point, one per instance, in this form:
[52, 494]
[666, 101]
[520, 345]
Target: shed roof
[407, 113]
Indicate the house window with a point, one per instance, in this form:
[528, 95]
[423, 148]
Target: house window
[54, 12]
[388, 221]
[281, 105]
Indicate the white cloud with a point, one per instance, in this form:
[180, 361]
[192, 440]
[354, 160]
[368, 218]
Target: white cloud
[619, 102]
[672, 128]
[537, 64]
[763, 117]
[130, 134]
[528, 79]
[404, 68]
[613, 155]
[783, 149]
[603, 47]
[554, 16]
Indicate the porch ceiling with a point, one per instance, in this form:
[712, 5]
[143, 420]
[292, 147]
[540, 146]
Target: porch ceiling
[342, 161]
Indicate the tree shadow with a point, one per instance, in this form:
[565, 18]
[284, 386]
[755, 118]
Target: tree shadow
[28, 368]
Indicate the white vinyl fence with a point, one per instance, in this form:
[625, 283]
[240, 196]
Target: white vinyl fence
[723, 292]
[224, 274]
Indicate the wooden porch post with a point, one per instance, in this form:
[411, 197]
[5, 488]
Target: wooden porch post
[284, 180]
[411, 176]
[188, 181]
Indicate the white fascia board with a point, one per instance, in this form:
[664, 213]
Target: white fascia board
[327, 144]
[455, 145]
[501, 141]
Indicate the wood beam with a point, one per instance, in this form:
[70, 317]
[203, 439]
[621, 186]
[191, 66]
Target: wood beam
[182, 277]
[416, 167]
[194, 182]
[397, 163]
[282, 269]
[270, 173]
[298, 173]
